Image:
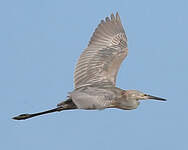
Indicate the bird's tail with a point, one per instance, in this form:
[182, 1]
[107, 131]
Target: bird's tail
[66, 105]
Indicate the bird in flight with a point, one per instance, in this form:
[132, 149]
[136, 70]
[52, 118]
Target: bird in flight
[96, 71]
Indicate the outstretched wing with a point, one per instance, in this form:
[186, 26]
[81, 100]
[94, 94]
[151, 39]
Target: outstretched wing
[100, 61]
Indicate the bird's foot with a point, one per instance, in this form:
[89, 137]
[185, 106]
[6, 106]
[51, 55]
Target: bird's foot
[22, 117]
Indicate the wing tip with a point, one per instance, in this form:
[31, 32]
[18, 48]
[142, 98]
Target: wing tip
[107, 27]
[107, 19]
[112, 17]
[117, 16]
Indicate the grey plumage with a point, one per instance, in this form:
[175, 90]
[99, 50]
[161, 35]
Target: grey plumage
[96, 71]
[100, 61]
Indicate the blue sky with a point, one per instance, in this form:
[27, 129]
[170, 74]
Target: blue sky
[41, 41]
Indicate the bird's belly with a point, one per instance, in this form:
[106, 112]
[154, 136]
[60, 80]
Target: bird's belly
[86, 101]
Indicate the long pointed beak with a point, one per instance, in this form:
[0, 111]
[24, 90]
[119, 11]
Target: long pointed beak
[154, 97]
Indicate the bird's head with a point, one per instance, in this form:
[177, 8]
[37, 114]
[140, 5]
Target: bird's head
[137, 95]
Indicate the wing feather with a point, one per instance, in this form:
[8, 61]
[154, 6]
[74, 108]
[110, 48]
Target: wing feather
[100, 61]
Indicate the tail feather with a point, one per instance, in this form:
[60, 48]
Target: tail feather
[67, 103]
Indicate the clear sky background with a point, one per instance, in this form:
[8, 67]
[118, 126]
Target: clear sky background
[41, 41]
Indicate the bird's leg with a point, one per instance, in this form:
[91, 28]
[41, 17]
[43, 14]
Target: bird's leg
[27, 116]
[66, 106]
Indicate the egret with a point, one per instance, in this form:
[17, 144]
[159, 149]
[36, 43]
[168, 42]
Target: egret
[96, 71]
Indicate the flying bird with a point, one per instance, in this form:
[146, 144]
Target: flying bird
[96, 71]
